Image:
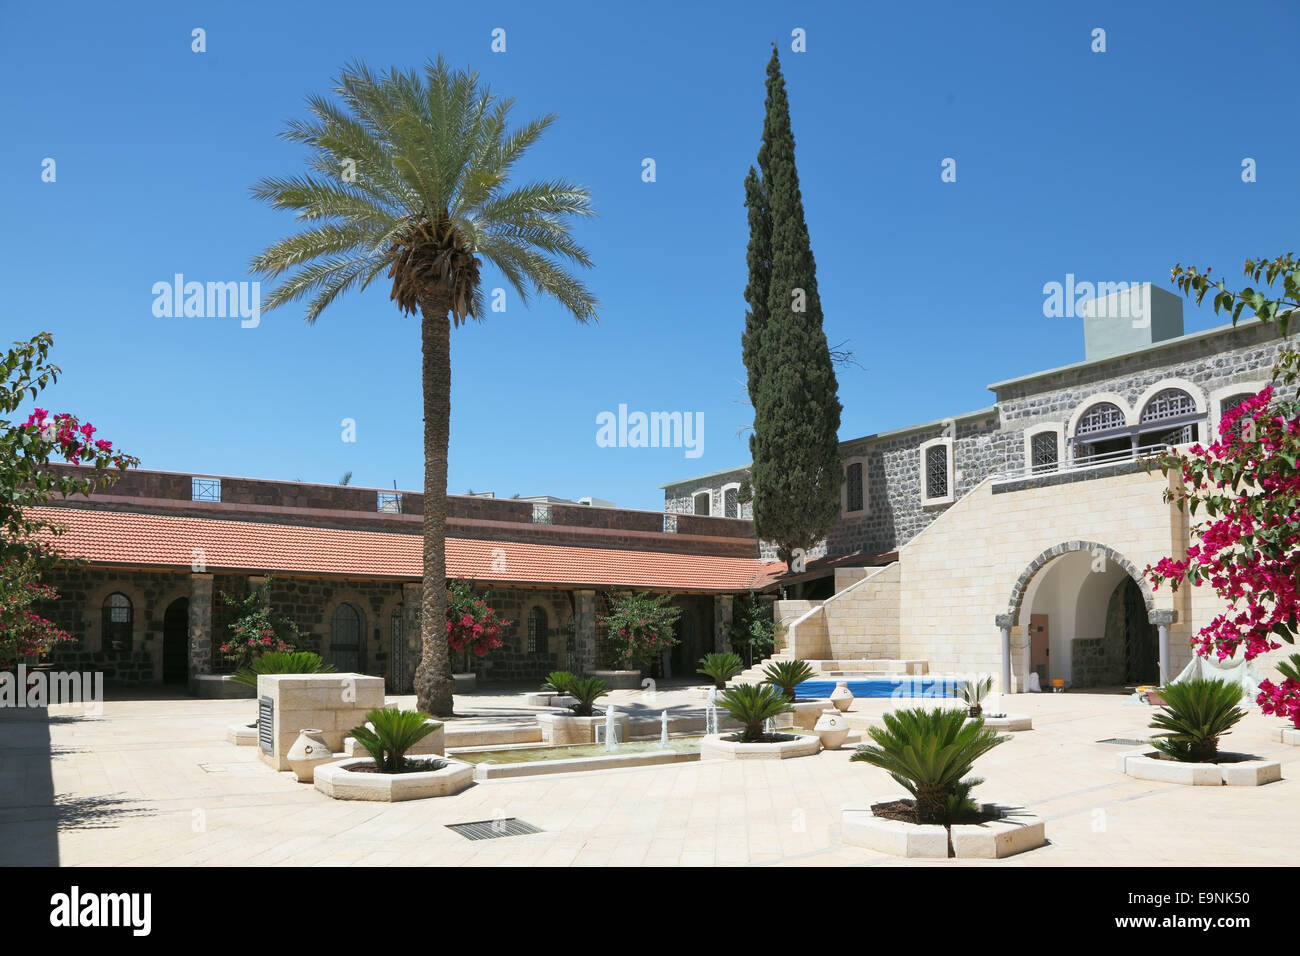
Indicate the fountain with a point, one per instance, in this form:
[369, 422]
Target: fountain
[711, 712]
[663, 730]
[611, 733]
[768, 726]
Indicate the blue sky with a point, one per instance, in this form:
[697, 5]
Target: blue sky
[1111, 166]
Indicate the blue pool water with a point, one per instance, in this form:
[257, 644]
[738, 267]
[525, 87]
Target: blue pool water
[884, 687]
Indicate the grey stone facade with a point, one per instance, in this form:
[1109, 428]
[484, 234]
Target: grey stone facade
[991, 442]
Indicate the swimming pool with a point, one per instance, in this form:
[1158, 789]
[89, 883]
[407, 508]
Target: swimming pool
[885, 687]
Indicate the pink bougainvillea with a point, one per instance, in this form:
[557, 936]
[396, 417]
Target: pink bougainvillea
[1248, 547]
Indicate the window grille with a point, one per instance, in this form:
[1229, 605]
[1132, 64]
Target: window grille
[1099, 418]
[1168, 403]
[936, 471]
[1043, 451]
[390, 502]
[537, 626]
[730, 503]
[205, 489]
[541, 514]
[853, 489]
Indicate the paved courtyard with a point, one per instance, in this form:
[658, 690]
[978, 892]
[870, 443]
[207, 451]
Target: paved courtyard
[153, 782]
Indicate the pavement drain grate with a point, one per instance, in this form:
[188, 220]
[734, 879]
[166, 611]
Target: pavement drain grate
[1126, 741]
[491, 829]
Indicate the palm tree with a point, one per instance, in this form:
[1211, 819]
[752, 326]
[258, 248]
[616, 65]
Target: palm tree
[407, 176]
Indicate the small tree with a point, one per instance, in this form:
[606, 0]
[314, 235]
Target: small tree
[640, 627]
[256, 629]
[753, 631]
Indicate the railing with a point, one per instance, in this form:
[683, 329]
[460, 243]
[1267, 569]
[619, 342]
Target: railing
[1081, 464]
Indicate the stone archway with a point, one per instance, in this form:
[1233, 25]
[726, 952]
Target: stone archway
[1103, 555]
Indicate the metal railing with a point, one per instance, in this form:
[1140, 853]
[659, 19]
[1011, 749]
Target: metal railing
[1083, 463]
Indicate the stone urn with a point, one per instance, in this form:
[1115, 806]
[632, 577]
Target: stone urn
[832, 728]
[308, 752]
[841, 696]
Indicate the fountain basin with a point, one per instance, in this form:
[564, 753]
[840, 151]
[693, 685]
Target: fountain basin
[561, 730]
[716, 747]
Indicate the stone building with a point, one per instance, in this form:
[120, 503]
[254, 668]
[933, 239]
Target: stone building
[1011, 539]
[156, 553]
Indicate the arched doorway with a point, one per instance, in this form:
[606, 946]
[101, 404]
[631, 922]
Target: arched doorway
[1085, 614]
[176, 642]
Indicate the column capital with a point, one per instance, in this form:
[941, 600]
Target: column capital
[1005, 620]
[1161, 615]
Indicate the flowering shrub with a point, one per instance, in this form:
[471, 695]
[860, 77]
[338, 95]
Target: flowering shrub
[1248, 549]
[257, 630]
[640, 627]
[473, 628]
[28, 481]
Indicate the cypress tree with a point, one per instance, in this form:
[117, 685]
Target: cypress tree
[796, 472]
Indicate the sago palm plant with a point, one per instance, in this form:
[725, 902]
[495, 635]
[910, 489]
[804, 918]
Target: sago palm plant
[929, 752]
[752, 706]
[394, 733]
[788, 675]
[408, 178]
[1195, 715]
[558, 682]
[281, 662]
[974, 691]
[720, 668]
[585, 691]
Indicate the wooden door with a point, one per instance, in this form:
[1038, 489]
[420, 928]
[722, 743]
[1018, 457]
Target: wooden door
[1040, 648]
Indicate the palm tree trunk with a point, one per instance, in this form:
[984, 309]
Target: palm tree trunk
[433, 685]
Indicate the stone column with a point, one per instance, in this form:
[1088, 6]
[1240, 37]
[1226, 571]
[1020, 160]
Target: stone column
[1005, 622]
[200, 625]
[584, 645]
[722, 610]
[412, 593]
[1162, 618]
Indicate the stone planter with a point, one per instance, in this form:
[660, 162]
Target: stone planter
[561, 729]
[220, 687]
[342, 782]
[308, 752]
[1014, 832]
[464, 683]
[841, 697]
[714, 747]
[619, 680]
[1289, 736]
[545, 698]
[242, 735]
[832, 728]
[1009, 722]
[1144, 765]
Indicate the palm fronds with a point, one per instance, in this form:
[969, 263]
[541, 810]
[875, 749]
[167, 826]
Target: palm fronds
[1196, 713]
[394, 733]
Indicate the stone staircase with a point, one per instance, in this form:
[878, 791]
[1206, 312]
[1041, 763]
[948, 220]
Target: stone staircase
[754, 675]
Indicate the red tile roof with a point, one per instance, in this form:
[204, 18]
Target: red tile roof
[170, 541]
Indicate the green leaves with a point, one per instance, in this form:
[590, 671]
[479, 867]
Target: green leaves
[787, 675]
[409, 176]
[585, 691]
[752, 705]
[281, 662]
[720, 668]
[1195, 715]
[928, 752]
[394, 733]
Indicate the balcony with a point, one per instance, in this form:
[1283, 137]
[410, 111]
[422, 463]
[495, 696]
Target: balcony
[1123, 462]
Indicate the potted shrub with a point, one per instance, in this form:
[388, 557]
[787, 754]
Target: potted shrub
[930, 753]
[752, 706]
[473, 629]
[720, 668]
[388, 774]
[640, 629]
[788, 675]
[579, 726]
[1196, 714]
[973, 693]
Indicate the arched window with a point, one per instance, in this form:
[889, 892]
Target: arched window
[1172, 407]
[537, 626]
[731, 502]
[1043, 452]
[345, 639]
[1099, 418]
[118, 622]
[703, 502]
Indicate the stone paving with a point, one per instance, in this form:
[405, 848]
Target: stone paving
[153, 782]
